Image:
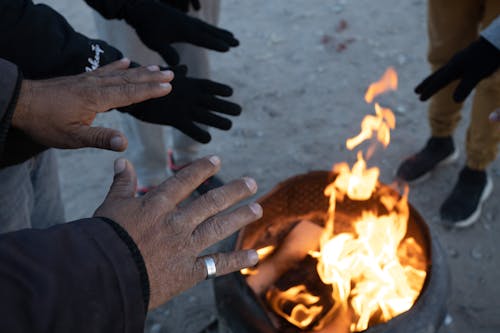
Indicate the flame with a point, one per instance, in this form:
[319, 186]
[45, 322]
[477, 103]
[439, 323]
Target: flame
[373, 270]
[305, 308]
[388, 81]
[262, 253]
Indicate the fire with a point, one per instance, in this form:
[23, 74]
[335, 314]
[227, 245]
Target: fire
[375, 273]
[388, 81]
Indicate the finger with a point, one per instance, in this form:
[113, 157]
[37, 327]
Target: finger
[212, 42]
[116, 96]
[217, 200]
[495, 116]
[226, 263]
[196, 4]
[437, 81]
[139, 75]
[169, 54]
[123, 63]
[195, 133]
[225, 35]
[124, 182]
[100, 137]
[219, 105]
[213, 120]
[215, 88]
[464, 89]
[178, 187]
[219, 227]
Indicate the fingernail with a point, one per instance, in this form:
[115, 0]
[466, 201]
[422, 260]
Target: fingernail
[153, 68]
[215, 160]
[253, 257]
[125, 59]
[256, 209]
[168, 73]
[120, 165]
[165, 85]
[251, 184]
[116, 143]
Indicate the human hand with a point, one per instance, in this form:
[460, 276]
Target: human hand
[171, 237]
[183, 4]
[158, 25]
[191, 100]
[470, 66]
[59, 112]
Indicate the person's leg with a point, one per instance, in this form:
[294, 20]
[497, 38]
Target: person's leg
[197, 60]
[16, 197]
[452, 25]
[147, 149]
[48, 208]
[463, 206]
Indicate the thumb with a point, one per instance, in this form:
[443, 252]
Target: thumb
[169, 54]
[101, 137]
[125, 180]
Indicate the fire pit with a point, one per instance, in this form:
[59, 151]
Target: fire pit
[300, 198]
[340, 251]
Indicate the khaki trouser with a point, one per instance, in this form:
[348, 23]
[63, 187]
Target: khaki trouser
[453, 25]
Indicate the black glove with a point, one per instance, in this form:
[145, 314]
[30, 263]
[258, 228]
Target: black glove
[158, 25]
[191, 100]
[474, 63]
[183, 4]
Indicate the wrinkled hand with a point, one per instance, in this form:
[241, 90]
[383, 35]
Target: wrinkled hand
[470, 66]
[158, 25]
[183, 4]
[59, 112]
[191, 100]
[171, 238]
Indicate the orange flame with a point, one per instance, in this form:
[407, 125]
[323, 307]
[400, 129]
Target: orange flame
[388, 81]
[374, 270]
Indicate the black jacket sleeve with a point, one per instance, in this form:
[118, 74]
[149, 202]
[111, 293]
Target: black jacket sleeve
[43, 44]
[10, 84]
[15, 146]
[75, 277]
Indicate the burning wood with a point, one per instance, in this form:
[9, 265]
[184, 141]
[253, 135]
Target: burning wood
[364, 274]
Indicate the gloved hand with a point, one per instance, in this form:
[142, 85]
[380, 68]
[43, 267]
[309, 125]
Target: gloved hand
[158, 25]
[191, 100]
[474, 63]
[183, 4]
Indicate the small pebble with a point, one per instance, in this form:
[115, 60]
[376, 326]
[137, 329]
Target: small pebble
[448, 320]
[476, 253]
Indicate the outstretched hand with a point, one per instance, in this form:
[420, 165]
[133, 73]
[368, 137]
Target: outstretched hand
[158, 25]
[59, 112]
[171, 237]
[470, 66]
[191, 100]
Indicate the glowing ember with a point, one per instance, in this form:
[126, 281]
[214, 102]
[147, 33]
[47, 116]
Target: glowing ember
[374, 272]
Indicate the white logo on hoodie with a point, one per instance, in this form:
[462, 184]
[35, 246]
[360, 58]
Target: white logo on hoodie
[94, 63]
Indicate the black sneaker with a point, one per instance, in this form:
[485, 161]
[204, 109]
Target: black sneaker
[209, 184]
[463, 206]
[437, 152]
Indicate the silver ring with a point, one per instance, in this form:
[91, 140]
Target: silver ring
[211, 269]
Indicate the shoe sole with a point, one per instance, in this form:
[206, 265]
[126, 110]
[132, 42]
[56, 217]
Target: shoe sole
[447, 161]
[477, 213]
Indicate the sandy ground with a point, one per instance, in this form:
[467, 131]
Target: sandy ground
[301, 80]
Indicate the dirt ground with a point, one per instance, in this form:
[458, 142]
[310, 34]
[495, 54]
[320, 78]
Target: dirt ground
[300, 74]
